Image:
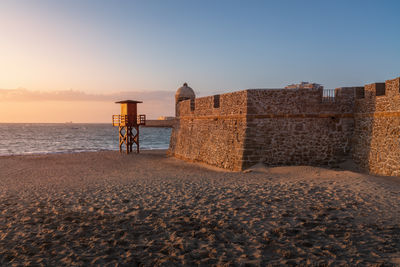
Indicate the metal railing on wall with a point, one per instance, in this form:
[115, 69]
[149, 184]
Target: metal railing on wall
[328, 95]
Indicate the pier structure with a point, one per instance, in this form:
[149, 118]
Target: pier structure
[128, 123]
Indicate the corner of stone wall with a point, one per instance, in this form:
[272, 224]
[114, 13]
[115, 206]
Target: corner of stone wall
[375, 89]
[245, 163]
[173, 138]
[393, 87]
[376, 148]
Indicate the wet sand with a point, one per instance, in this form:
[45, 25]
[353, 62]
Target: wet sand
[148, 209]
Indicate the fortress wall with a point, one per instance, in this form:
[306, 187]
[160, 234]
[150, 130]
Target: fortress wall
[212, 135]
[294, 127]
[273, 126]
[376, 143]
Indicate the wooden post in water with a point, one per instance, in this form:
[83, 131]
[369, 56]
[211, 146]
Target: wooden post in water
[126, 122]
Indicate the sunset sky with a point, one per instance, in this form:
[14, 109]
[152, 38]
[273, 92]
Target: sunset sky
[69, 60]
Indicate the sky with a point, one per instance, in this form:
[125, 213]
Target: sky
[70, 60]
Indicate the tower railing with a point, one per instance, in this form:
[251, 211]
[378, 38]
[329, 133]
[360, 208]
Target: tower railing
[142, 119]
[126, 120]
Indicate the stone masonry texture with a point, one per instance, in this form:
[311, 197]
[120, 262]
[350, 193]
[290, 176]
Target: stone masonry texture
[292, 127]
[376, 142]
[211, 135]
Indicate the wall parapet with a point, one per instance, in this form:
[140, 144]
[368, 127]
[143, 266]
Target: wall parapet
[270, 101]
[380, 97]
[299, 101]
[227, 104]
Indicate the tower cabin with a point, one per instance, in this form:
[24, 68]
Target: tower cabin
[127, 121]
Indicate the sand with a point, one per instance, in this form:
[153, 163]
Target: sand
[148, 209]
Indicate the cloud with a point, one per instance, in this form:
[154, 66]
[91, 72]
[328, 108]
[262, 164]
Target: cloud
[70, 105]
[24, 95]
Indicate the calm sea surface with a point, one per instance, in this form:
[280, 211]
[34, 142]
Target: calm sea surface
[37, 138]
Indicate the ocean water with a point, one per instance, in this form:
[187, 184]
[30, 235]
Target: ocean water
[37, 138]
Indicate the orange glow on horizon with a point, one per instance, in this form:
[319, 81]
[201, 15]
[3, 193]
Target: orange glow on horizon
[65, 111]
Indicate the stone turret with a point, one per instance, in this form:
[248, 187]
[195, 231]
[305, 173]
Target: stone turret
[183, 93]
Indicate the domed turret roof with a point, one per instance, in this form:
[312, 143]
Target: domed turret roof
[185, 92]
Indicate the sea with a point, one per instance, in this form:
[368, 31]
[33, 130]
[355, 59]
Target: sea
[44, 138]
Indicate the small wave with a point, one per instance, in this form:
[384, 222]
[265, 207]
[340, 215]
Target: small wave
[57, 139]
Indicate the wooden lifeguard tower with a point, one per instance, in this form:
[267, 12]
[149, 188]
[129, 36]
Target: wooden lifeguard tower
[126, 122]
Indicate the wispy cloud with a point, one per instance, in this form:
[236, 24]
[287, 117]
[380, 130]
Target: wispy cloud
[24, 95]
[70, 105]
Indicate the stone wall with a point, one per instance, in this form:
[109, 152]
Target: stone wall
[292, 127]
[237, 130]
[296, 127]
[376, 144]
[211, 130]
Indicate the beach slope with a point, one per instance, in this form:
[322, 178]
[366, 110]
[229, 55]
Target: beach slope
[108, 208]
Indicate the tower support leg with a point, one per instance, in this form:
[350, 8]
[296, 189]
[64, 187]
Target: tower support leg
[121, 138]
[130, 138]
[126, 137]
[137, 139]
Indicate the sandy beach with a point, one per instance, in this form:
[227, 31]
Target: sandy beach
[110, 209]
